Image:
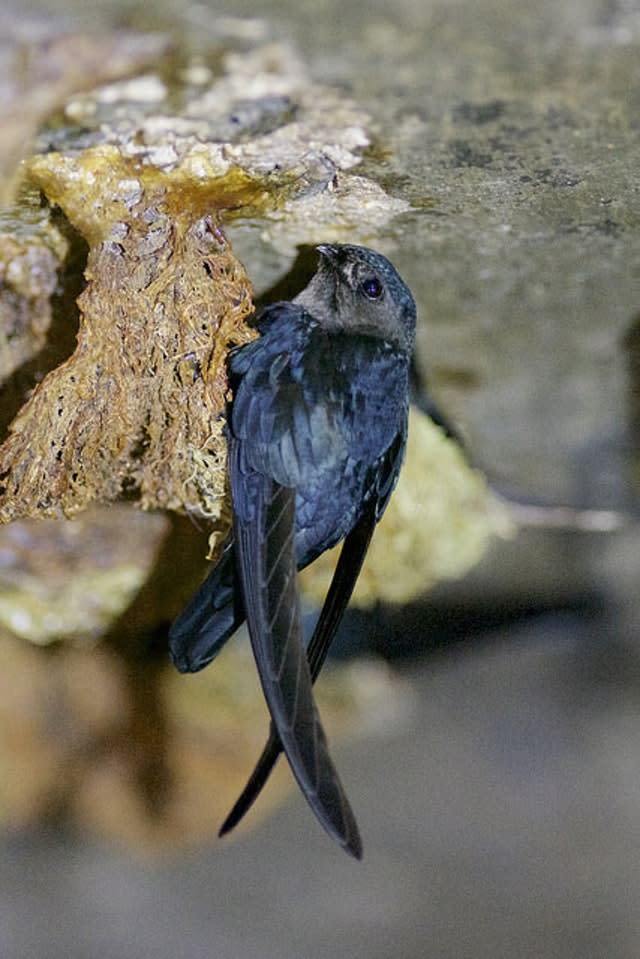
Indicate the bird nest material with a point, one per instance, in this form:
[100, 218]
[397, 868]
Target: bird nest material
[135, 410]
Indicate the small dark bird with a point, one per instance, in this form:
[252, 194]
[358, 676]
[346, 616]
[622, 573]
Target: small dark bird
[316, 429]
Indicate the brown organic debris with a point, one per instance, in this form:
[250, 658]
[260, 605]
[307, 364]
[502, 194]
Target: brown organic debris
[136, 409]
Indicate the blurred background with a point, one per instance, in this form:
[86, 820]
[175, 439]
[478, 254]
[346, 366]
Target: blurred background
[486, 719]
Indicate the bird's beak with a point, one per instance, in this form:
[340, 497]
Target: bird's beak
[329, 252]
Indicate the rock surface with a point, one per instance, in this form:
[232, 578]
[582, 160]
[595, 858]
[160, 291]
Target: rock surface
[503, 822]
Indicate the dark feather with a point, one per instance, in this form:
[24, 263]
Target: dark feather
[211, 616]
[344, 579]
[317, 430]
[264, 538]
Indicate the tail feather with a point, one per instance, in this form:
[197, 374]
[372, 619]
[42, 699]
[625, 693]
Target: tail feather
[212, 615]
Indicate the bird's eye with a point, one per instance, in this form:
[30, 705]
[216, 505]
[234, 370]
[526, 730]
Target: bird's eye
[372, 288]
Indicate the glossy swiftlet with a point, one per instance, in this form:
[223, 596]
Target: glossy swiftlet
[316, 430]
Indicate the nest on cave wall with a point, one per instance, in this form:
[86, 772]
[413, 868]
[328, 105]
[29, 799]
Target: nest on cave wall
[136, 409]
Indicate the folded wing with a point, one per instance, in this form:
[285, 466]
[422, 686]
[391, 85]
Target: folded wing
[265, 554]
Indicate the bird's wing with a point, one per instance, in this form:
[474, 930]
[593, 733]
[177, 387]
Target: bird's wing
[298, 405]
[264, 523]
[271, 412]
[344, 579]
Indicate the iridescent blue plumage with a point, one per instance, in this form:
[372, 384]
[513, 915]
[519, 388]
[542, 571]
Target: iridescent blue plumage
[317, 429]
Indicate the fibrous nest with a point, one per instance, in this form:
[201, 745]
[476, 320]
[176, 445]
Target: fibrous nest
[136, 409]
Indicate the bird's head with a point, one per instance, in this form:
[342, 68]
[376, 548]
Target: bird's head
[358, 290]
